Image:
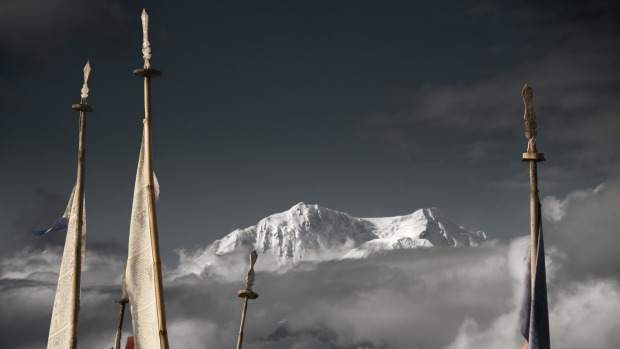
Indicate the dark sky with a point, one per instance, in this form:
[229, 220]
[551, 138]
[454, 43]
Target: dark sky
[367, 107]
[374, 108]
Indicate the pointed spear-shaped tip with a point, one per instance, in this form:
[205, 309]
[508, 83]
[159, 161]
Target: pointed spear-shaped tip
[146, 46]
[87, 70]
[145, 24]
[85, 90]
[145, 19]
[253, 257]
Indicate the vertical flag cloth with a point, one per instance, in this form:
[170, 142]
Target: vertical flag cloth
[139, 278]
[534, 313]
[60, 335]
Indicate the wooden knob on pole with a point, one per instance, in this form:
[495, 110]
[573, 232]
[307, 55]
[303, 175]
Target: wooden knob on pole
[147, 72]
[247, 294]
[82, 107]
[538, 157]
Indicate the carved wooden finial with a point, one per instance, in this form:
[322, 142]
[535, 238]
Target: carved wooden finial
[530, 118]
[85, 90]
[249, 281]
[83, 106]
[530, 126]
[146, 45]
[146, 71]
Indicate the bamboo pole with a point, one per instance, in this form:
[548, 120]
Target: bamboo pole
[246, 295]
[245, 309]
[121, 315]
[534, 218]
[147, 72]
[533, 157]
[83, 108]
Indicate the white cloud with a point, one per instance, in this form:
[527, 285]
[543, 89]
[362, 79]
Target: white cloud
[587, 233]
[554, 209]
[585, 315]
[433, 298]
[30, 264]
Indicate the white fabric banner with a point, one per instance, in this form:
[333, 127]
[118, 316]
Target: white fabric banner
[65, 299]
[139, 278]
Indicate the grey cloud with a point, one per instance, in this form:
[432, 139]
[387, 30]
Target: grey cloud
[372, 303]
[586, 230]
[30, 264]
[27, 284]
[392, 301]
[573, 72]
[583, 315]
[436, 298]
[589, 311]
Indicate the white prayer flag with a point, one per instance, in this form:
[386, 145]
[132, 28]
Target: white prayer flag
[66, 299]
[139, 276]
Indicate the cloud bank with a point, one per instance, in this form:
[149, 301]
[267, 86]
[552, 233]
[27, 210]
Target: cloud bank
[432, 298]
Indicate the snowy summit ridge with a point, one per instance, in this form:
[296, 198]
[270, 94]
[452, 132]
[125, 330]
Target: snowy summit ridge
[311, 232]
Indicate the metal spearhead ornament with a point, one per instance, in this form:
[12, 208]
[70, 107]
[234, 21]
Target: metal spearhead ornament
[146, 45]
[85, 86]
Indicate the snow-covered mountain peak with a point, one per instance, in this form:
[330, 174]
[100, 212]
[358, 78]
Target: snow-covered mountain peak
[300, 233]
[426, 227]
[423, 223]
[312, 232]
[300, 214]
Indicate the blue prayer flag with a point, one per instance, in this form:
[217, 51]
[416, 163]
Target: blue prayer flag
[534, 313]
[59, 224]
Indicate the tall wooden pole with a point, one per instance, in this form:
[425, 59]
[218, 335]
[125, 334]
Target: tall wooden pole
[246, 295]
[147, 72]
[242, 325]
[83, 108]
[533, 157]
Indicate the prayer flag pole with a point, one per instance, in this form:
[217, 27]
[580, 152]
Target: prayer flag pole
[147, 72]
[247, 294]
[63, 324]
[83, 108]
[121, 315]
[123, 301]
[533, 157]
[534, 312]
